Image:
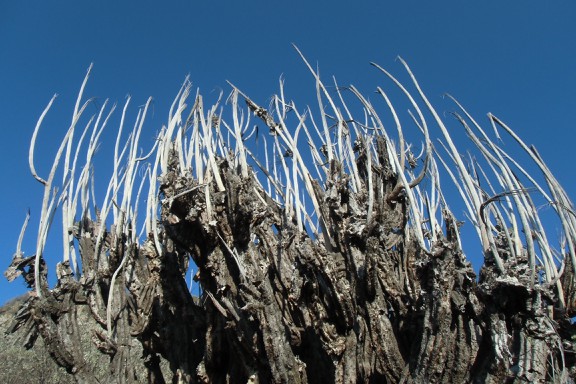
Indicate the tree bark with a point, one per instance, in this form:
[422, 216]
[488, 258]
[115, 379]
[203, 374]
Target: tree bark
[363, 300]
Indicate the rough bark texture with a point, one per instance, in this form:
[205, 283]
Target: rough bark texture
[280, 307]
[362, 301]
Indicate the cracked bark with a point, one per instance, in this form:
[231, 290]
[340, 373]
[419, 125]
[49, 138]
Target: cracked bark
[277, 306]
[360, 302]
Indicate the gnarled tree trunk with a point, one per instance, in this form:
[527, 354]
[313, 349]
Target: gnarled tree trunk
[368, 286]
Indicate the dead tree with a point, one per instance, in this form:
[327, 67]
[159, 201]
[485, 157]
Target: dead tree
[324, 251]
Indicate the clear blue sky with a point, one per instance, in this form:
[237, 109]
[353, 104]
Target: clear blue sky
[515, 59]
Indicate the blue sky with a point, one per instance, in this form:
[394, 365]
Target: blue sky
[514, 59]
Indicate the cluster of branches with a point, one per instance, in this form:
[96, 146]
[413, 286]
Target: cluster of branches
[324, 250]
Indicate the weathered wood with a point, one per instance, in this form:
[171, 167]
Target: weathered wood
[372, 289]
